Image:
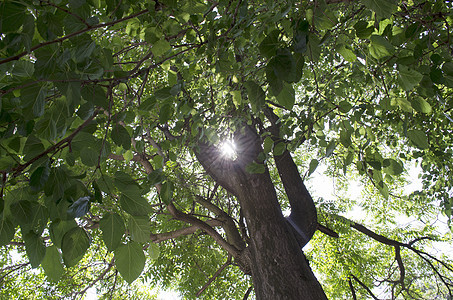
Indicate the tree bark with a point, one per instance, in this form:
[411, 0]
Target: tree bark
[278, 266]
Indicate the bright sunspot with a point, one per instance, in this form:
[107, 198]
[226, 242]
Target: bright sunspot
[228, 149]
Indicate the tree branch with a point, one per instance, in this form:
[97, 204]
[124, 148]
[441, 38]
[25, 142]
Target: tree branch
[160, 237]
[365, 287]
[216, 274]
[61, 144]
[59, 40]
[303, 210]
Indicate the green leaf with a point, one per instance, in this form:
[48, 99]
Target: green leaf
[124, 182]
[279, 148]
[237, 97]
[380, 47]
[419, 138]
[133, 203]
[284, 65]
[7, 230]
[33, 99]
[421, 105]
[52, 264]
[160, 47]
[268, 143]
[89, 156]
[383, 8]
[39, 178]
[347, 53]
[163, 93]
[275, 83]
[403, 103]
[74, 245]
[139, 228]
[392, 167]
[255, 168]
[312, 166]
[166, 192]
[23, 68]
[166, 112]
[287, 96]
[153, 251]
[58, 229]
[35, 248]
[155, 177]
[33, 147]
[23, 211]
[113, 229]
[95, 95]
[408, 78]
[130, 261]
[362, 30]
[121, 137]
[330, 148]
[255, 94]
[268, 47]
[12, 15]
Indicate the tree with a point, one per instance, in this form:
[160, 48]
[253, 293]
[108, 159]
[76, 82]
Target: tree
[113, 115]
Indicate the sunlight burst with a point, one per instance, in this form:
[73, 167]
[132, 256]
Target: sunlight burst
[228, 149]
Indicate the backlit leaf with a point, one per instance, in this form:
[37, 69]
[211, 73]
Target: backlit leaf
[130, 261]
[113, 229]
[52, 264]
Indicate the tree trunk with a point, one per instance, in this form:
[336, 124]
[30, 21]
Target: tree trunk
[278, 266]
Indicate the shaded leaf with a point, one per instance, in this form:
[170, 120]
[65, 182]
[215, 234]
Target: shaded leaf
[121, 137]
[58, 229]
[312, 166]
[287, 96]
[133, 203]
[255, 168]
[255, 94]
[383, 8]
[380, 47]
[7, 230]
[35, 248]
[113, 229]
[74, 245]
[166, 192]
[419, 138]
[12, 15]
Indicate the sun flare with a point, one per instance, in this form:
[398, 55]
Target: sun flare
[228, 149]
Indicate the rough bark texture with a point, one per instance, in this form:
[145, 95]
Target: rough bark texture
[279, 268]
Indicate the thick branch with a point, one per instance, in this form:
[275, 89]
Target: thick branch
[229, 226]
[303, 210]
[160, 237]
[327, 231]
[202, 225]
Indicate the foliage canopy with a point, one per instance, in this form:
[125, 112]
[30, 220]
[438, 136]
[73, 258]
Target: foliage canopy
[104, 104]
